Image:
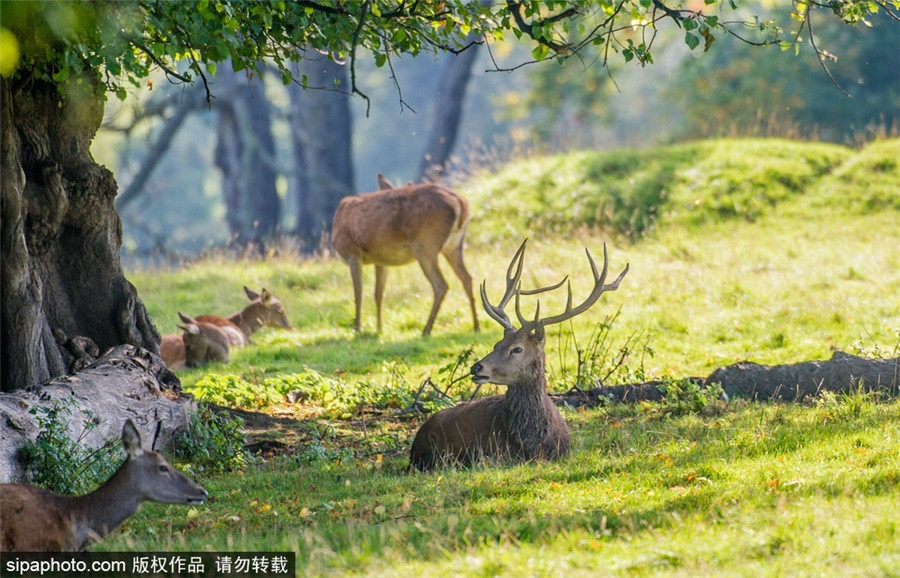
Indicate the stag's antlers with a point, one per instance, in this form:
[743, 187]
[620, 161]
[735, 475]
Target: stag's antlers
[513, 289]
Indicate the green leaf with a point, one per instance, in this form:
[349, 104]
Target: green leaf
[61, 75]
[540, 52]
[691, 40]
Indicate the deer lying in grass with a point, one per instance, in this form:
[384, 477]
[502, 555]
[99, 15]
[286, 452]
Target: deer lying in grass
[264, 310]
[33, 519]
[523, 424]
[200, 344]
[395, 226]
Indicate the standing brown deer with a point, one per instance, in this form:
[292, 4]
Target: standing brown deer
[393, 227]
[264, 310]
[522, 424]
[33, 519]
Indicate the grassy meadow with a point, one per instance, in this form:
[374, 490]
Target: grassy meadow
[764, 250]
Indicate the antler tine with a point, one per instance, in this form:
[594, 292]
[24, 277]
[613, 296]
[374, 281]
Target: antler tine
[495, 313]
[600, 287]
[512, 285]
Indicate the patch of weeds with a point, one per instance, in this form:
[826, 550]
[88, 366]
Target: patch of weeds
[234, 391]
[686, 396]
[872, 349]
[841, 406]
[214, 443]
[320, 437]
[55, 461]
[600, 361]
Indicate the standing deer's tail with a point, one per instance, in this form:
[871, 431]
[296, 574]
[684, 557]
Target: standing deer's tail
[462, 214]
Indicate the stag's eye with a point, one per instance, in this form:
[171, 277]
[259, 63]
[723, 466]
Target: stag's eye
[516, 350]
[164, 469]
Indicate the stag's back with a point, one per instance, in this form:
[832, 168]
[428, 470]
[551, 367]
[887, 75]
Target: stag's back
[385, 226]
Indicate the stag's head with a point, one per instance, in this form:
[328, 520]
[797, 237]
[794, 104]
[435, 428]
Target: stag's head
[518, 358]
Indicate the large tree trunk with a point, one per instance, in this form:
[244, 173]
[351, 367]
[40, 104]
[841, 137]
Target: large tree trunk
[446, 114]
[447, 110]
[322, 132]
[245, 153]
[65, 296]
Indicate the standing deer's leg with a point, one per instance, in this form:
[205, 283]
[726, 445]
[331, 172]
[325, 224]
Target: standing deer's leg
[380, 281]
[454, 256]
[356, 275]
[431, 270]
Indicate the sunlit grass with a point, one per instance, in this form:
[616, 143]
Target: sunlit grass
[735, 489]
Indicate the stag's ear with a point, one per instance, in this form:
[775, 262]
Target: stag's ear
[539, 331]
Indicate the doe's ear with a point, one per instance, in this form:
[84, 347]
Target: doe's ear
[265, 296]
[251, 294]
[131, 439]
[190, 328]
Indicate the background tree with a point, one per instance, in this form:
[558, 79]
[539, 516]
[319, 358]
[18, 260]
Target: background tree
[62, 281]
[321, 133]
[245, 153]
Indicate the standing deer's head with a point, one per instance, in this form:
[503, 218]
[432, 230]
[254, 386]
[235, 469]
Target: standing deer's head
[518, 358]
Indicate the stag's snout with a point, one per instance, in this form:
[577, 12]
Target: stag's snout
[478, 375]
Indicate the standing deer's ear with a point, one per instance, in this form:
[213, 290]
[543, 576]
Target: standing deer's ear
[251, 294]
[131, 440]
[384, 183]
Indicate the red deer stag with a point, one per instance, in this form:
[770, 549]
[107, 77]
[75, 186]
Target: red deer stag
[33, 519]
[523, 424]
[394, 226]
[264, 310]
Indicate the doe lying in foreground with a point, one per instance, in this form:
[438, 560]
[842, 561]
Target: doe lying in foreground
[33, 519]
[392, 227]
[523, 424]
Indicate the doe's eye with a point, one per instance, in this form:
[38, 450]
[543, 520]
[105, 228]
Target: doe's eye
[164, 469]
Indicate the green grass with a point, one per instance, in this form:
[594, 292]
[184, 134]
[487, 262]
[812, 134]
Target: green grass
[771, 251]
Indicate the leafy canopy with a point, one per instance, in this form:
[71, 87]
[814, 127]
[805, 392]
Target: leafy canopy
[120, 43]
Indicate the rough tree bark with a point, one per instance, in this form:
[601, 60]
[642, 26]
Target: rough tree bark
[447, 110]
[245, 153]
[126, 382]
[446, 114]
[322, 134]
[65, 296]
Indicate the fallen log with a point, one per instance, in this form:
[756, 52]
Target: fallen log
[792, 382]
[795, 382]
[125, 382]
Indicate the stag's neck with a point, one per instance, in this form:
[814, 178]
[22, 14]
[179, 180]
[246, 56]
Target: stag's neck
[97, 514]
[527, 408]
[247, 320]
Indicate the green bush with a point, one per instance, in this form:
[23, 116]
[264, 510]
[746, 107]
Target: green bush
[214, 442]
[55, 461]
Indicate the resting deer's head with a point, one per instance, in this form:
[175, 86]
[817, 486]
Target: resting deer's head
[518, 358]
